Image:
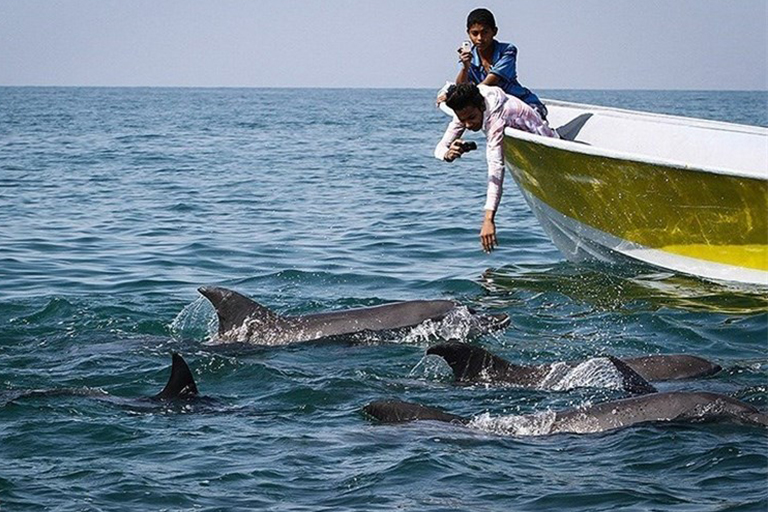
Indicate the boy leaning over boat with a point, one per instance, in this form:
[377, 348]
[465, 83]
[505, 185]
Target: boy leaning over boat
[484, 60]
[481, 107]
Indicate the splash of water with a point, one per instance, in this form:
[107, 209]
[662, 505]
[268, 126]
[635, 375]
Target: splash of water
[598, 372]
[537, 424]
[431, 367]
[196, 319]
[456, 325]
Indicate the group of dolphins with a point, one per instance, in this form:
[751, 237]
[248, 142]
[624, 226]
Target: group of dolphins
[240, 318]
[243, 320]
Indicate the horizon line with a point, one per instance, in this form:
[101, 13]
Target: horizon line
[307, 87]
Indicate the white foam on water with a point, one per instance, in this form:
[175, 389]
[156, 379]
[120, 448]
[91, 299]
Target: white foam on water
[538, 424]
[456, 325]
[598, 372]
[252, 331]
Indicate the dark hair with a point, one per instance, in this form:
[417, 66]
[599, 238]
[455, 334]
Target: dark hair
[462, 96]
[482, 17]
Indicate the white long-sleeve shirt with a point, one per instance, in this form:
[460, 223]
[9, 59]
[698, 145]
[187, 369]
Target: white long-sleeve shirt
[501, 111]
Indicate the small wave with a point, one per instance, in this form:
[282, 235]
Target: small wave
[627, 286]
[11, 397]
[139, 137]
[57, 308]
[183, 207]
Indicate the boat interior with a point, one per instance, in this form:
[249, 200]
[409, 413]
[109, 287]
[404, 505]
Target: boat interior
[684, 142]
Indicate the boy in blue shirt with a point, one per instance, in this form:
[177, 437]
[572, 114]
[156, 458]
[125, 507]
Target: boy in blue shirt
[490, 62]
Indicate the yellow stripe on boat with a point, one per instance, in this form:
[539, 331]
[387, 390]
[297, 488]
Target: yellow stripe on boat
[748, 256]
[647, 185]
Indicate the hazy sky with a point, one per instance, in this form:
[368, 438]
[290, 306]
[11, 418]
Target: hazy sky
[563, 44]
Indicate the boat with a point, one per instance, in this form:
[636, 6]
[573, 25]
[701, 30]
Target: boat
[681, 194]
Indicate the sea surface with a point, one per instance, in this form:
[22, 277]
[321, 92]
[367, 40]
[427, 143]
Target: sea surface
[117, 204]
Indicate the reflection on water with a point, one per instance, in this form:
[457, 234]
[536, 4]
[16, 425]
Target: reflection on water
[626, 286]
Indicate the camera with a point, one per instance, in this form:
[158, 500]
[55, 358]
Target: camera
[468, 146]
[466, 46]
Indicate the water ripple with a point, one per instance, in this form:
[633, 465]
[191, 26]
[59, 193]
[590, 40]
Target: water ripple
[119, 203]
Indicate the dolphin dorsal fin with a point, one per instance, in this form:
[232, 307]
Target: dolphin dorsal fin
[633, 382]
[470, 363]
[181, 384]
[234, 309]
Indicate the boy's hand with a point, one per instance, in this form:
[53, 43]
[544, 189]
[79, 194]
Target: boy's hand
[465, 57]
[455, 150]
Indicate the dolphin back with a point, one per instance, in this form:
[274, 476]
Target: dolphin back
[395, 411]
[234, 309]
[678, 406]
[672, 367]
[181, 384]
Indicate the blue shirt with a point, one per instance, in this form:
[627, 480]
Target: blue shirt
[504, 66]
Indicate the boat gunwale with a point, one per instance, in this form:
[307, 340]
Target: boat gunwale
[576, 147]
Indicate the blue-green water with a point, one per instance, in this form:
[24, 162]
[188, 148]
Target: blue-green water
[116, 204]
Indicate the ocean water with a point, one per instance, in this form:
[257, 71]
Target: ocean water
[116, 204]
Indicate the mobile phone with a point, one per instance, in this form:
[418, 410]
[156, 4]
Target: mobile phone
[466, 46]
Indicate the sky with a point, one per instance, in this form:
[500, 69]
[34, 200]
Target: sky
[562, 44]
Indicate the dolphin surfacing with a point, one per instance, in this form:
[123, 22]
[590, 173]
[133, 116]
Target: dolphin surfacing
[674, 406]
[471, 364]
[181, 383]
[244, 320]
[180, 387]
[393, 411]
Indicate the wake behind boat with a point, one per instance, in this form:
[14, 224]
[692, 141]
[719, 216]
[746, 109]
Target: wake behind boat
[678, 193]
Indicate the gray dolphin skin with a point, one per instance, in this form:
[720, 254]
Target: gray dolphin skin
[672, 367]
[657, 407]
[675, 406]
[243, 320]
[393, 411]
[474, 364]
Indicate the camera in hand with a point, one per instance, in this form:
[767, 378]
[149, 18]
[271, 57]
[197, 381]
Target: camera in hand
[468, 146]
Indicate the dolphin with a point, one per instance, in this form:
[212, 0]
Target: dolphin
[181, 384]
[243, 320]
[395, 411]
[674, 406]
[672, 367]
[180, 387]
[474, 364]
